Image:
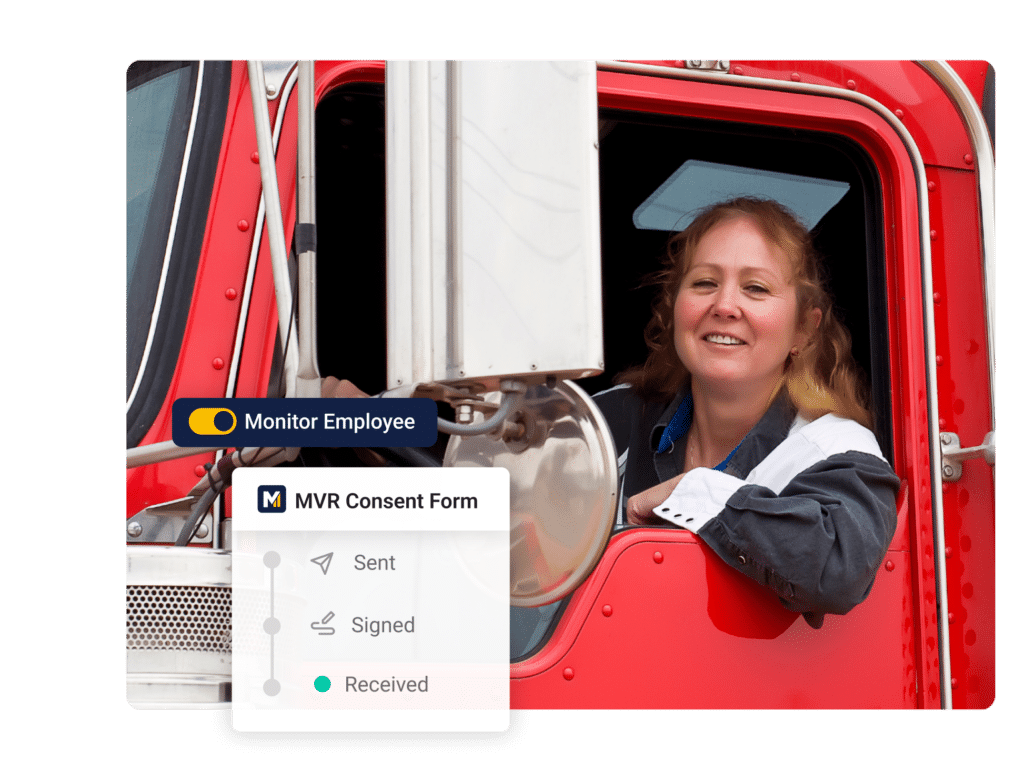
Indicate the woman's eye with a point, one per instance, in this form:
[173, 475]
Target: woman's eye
[703, 283]
[756, 288]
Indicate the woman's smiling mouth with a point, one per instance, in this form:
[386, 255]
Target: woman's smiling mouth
[723, 339]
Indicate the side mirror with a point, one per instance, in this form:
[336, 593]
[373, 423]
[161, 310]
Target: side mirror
[563, 493]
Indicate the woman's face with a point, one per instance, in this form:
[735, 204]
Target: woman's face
[735, 314]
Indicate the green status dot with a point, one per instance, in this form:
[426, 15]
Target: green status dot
[322, 684]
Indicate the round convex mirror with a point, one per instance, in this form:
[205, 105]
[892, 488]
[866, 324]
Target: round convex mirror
[564, 487]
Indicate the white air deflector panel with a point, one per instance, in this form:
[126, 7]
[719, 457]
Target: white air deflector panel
[493, 222]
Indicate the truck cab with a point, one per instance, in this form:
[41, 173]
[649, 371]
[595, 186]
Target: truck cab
[906, 149]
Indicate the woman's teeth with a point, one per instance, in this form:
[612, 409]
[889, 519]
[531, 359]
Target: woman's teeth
[722, 339]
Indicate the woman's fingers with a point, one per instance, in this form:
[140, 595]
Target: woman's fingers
[640, 507]
[332, 387]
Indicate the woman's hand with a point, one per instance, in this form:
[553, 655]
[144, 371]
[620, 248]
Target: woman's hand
[640, 507]
[332, 387]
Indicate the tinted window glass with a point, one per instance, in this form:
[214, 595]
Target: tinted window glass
[160, 98]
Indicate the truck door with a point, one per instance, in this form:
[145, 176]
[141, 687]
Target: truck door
[661, 622]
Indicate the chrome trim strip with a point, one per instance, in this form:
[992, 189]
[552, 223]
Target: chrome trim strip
[938, 516]
[162, 452]
[984, 163]
[243, 313]
[274, 221]
[254, 250]
[309, 373]
[170, 239]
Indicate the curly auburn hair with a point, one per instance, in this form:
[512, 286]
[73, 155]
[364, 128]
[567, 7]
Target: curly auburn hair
[823, 378]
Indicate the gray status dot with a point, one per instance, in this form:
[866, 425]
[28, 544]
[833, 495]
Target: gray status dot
[271, 625]
[271, 687]
[272, 559]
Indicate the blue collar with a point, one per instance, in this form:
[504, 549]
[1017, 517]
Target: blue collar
[679, 426]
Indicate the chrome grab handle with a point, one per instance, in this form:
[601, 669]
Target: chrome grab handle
[953, 455]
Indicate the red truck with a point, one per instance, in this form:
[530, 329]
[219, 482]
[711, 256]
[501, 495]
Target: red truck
[909, 248]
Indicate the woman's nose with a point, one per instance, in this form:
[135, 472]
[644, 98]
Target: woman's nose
[726, 303]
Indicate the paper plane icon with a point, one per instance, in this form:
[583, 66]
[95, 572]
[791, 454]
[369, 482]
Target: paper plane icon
[323, 561]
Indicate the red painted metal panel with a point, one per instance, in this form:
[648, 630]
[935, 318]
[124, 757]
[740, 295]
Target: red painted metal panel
[973, 74]
[901, 86]
[666, 624]
[261, 323]
[965, 409]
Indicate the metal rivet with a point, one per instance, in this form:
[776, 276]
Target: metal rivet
[134, 529]
[934, 234]
[271, 90]
[952, 619]
[243, 225]
[230, 293]
[738, 70]
[947, 470]
[942, 423]
[945, 439]
[890, 566]
[200, 471]
[218, 363]
[937, 297]
[851, 84]
[203, 531]
[568, 673]
[607, 610]
[658, 557]
[255, 157]
[743, 559]
[949, 551]
[952, 683]
[931, 186]
[533, 366]
[968, 159]
[795, 76]
[899, 114]
[938, 361]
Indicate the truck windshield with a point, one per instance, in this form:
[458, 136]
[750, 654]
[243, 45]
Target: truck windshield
[160, 98]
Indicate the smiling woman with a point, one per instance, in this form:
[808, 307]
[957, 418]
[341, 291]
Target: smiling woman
[735, 315]
[748, 425]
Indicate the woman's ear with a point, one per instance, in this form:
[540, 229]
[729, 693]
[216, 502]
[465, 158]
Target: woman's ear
[804, 336]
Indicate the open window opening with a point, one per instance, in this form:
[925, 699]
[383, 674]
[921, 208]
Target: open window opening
[641, 154]
[638, 154]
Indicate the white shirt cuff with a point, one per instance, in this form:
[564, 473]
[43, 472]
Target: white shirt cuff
[698, 497]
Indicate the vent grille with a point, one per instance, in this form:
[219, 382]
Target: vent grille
[192, 618]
